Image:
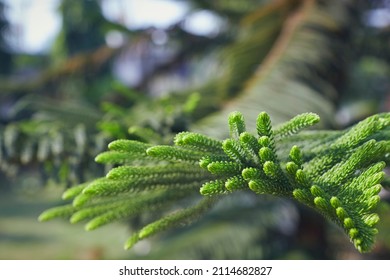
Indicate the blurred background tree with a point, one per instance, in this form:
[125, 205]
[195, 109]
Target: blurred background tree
[5, 54]
[120, 69]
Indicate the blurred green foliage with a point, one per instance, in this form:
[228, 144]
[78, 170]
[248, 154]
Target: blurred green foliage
[283, 57]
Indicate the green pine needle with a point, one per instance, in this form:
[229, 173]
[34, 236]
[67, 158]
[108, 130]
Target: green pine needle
[57, 212]
[180, 217]
[296, 124]
[236, 125]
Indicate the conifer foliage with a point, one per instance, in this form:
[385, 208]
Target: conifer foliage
[337, 173]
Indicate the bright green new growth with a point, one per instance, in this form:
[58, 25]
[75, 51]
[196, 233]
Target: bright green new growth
[336, 173]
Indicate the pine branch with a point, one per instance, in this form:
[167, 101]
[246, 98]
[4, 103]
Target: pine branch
[290, 71]
[337, 174]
